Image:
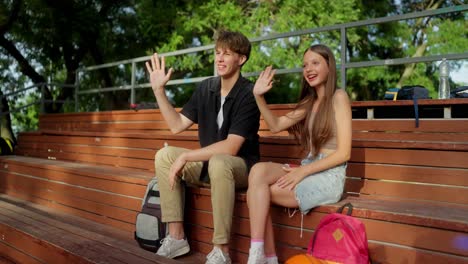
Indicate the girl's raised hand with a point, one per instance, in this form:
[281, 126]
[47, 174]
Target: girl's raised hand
[264, 82]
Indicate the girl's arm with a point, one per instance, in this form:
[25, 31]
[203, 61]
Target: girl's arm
[276, 124]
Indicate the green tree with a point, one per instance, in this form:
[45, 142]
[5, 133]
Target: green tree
[47, 40]
[42, 40]
[432, 35]
[197, 24]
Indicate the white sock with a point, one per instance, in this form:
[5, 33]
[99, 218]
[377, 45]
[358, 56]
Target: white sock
[257, 244]
[272, 260]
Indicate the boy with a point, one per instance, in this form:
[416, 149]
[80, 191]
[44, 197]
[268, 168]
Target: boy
[228, 120]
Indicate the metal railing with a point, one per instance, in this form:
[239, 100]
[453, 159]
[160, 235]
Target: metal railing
[344, 65]
[42, 101]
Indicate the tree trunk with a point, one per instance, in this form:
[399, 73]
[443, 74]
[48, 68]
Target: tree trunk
[6, 130]
[421, 24]
[410, 67]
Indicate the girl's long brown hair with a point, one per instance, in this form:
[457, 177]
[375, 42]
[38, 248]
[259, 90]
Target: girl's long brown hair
[324, 118]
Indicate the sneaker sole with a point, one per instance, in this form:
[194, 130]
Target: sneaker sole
[179, 252]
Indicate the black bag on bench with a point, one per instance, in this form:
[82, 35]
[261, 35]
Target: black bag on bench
[149, 230]
[460, 92]
[6, 146]
[411, 92]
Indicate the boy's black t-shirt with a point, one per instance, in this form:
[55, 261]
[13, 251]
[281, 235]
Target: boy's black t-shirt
[240, 112]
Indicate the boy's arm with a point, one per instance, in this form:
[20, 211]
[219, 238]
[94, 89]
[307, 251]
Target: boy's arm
[158, 77]
[230, 146]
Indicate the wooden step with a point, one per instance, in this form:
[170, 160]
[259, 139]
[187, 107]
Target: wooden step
[36, 234]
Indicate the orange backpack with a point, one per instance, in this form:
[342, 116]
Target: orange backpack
[307, 259]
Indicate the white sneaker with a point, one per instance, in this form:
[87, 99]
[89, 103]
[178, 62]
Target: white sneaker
[256, 256]
[171, 248]
[217, 256]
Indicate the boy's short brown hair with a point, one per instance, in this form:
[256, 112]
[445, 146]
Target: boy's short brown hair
[234, 41]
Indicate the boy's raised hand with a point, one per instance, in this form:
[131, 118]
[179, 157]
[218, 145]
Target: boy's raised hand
[157, 72]
[264, 82]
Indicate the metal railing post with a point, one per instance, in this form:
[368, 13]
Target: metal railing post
[343, 58]
[77, 84]
[132, 84]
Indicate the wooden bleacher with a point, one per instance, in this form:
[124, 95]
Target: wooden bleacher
[409, 186]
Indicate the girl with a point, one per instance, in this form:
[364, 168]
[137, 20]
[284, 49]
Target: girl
[321, 122]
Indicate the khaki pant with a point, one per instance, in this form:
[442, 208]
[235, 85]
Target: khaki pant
[226, 173]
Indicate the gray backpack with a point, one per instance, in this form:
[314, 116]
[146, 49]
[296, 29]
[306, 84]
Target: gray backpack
[149, 229]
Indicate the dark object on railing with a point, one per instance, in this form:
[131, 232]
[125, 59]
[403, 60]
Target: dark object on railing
[391, 94]
[413, 92]
[460, 92]
[410, 92]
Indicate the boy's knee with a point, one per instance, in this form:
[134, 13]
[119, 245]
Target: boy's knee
[165, 155]
[218, 162]
[218, 167]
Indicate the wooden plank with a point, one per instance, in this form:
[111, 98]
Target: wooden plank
[99, 234]
[422, 213]
[68, 195]
[411, 144]
[387, 232]
[412, 157]
[79, 247]
[129, 228]
[381, 252]
[123, 140]
[408, 173]
[425, 125]
[404, 190]
[153, 116]
[439, 136]
[108, 172]
[104, 185]
[30, 208]
[32, 245]
[125, 163]
[12, 255]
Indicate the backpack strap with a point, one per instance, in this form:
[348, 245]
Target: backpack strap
[349, 206]
[416, 111]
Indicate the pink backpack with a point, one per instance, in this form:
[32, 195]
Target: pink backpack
[340, 238]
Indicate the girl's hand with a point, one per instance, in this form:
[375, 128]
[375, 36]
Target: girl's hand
[264, 82]
[290, 179]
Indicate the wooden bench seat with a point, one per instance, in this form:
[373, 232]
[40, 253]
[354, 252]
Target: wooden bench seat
[398, 231]
[36, 234]
[104, 194]
[409, 185]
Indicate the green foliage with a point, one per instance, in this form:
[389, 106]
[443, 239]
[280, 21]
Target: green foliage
[56, 38]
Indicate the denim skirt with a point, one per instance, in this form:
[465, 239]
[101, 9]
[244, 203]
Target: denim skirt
[320, 188]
